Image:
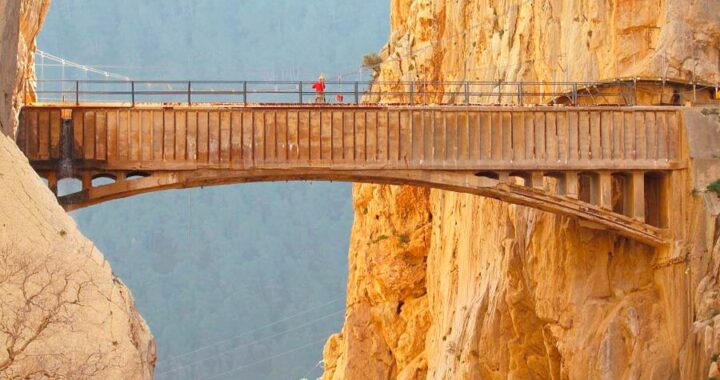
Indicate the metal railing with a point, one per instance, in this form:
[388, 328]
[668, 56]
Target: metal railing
[339, 92]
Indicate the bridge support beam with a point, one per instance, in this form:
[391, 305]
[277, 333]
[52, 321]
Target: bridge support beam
[637, 196]
[571, 185]
[537, 180]
[605, 190]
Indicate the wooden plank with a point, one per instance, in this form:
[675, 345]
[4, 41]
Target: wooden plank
[168, 135]
[629, 133]
[382, 136]
[371, 128]
[203, 137]
[463, 141]
[519, 139]
[326, 136]
[674, 141]
[606, 130]
[270, 135]
[282, 136]
[573, 136]
[507, 128]
[55, 131]
[180, 136]
[225, 150]
[236, 120]
[89, 135]
[248, 121]
[303, 133]
[214, 137]
[662, 136]
[474, 136]
[259, 154]
[78, 119]
[563, 130]
[428, 125]
[43, 135]
[360, 136]
[528, 125]
[294, 144]
[112, 134]
[651, 134]
[192, 136]
[348, 136]
[584, 135]
[495, 136]
[310, 135]
[451, 136]
[439, 133]
[540, 136]
[405, 138]
[618, 131]
[551, 138]
[595, 136]
[135, 147]
[393, 136]
[336, 133]
[158, 137]
[101, 135]
[638, 124]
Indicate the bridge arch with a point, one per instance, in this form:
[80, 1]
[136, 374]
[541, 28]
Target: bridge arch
[469, 149]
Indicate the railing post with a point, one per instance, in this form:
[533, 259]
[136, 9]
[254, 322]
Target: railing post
[132, 92]
[412, 92]
[574, 94]
[300, 91]
[520, 93]
[357, 93]
[189, 93]
[77, 92]
[245, 92]
[467, 92]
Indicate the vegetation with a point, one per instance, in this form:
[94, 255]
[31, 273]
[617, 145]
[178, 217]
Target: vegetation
[714, 187]
[372, 61]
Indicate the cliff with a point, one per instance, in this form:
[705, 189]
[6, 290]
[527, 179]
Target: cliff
[63, 313]
[453, 286]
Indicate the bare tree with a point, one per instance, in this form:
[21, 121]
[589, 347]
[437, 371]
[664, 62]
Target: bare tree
[39, 298]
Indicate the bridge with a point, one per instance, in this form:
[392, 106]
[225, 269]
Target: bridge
[606, 165]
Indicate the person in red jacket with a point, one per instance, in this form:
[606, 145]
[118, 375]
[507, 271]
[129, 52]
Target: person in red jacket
[319, 88]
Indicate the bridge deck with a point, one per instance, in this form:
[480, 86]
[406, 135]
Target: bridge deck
[353, 137]
[601, 158]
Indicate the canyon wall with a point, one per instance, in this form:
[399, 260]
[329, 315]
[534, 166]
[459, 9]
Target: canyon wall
[63, 314]
[453, 286]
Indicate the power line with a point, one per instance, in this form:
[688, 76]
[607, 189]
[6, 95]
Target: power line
[224, 353]
[266, 359]
[202, 348]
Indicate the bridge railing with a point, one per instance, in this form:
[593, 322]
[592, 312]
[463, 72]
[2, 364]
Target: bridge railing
[338, 92]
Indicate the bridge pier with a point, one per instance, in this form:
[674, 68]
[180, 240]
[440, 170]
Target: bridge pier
[637, 196]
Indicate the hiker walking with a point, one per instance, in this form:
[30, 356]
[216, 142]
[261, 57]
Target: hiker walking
[319, 88]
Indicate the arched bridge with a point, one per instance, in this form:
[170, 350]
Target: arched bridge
[606, 166]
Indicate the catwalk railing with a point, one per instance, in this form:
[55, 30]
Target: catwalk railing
[339, 92]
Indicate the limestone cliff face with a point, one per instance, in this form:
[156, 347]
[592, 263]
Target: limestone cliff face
[21, 22]
[454, 286]
[63, 313]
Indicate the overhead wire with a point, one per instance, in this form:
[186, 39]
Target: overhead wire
[246, 333]
[224, 353]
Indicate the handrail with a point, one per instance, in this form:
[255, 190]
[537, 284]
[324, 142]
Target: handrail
[410, 92]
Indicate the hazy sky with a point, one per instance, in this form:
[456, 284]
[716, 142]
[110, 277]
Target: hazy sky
[212, 269]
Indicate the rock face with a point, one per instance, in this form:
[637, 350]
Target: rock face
[63, 313]
[453, 286]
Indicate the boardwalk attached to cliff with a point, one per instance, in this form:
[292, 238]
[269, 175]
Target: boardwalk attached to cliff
[603, 165]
